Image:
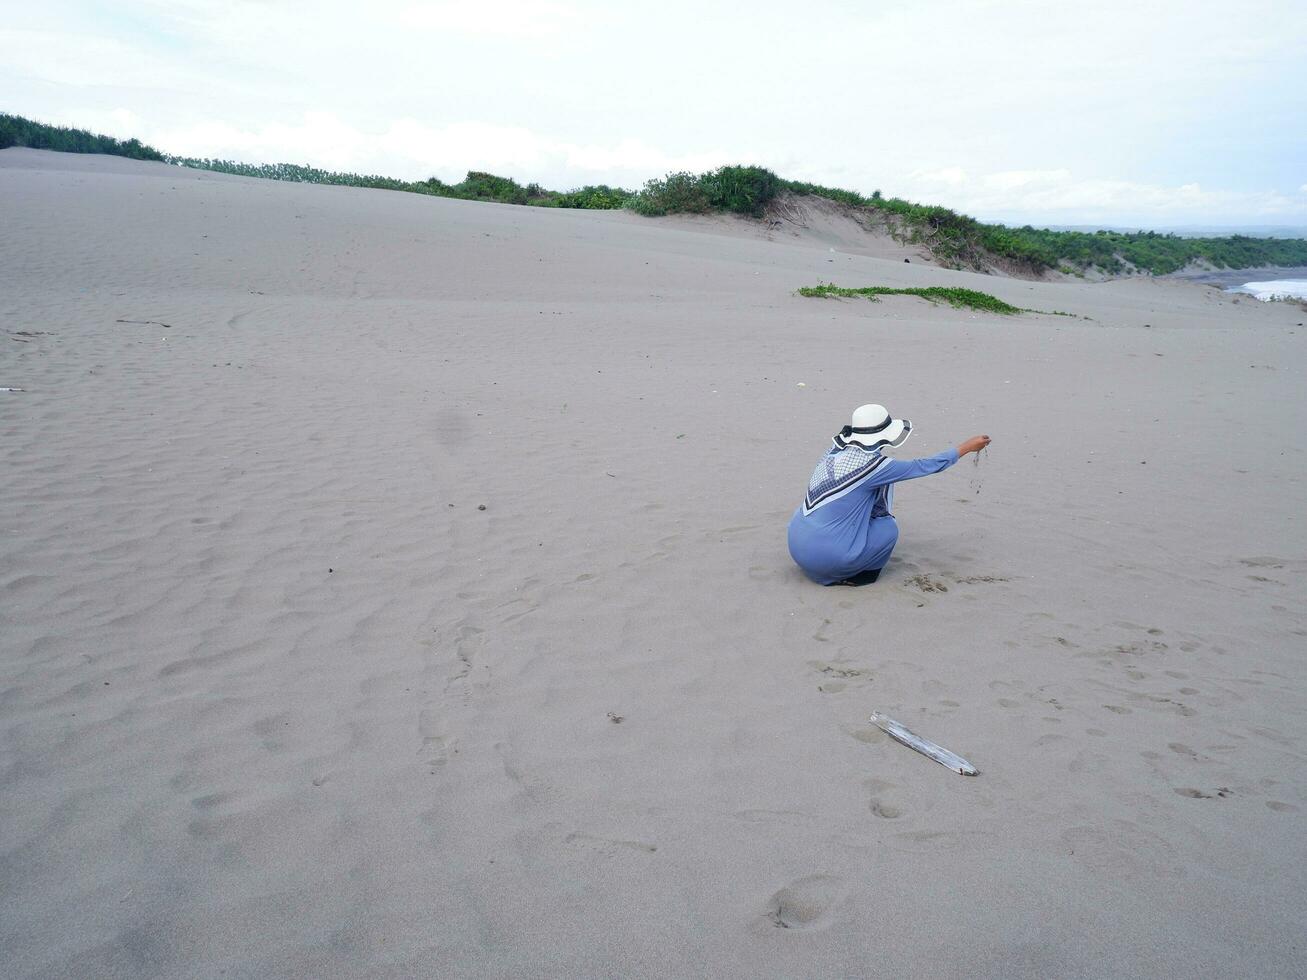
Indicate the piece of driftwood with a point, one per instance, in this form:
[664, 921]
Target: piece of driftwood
[926, 747]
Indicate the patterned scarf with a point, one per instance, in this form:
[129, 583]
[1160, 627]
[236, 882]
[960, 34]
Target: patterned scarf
[842, 469]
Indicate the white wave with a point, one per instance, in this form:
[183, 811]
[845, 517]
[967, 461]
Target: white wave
[1275, 289]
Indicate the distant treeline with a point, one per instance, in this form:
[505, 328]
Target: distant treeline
[952, 238]
[476, 186]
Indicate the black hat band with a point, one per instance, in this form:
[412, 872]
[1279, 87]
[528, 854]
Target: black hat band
[866, 430]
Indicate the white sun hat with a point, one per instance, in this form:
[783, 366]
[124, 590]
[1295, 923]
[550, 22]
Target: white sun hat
[873, 427]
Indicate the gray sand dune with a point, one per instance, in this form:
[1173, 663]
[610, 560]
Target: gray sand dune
[279, 698]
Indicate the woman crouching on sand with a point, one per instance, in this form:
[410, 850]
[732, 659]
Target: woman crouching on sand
[844, 532]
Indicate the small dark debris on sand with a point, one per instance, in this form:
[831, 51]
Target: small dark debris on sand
[147, 323]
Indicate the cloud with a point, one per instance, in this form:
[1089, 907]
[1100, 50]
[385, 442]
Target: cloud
[410, 149]
[74, 60]
[1061, 195]
[1060, 109]
[517, 18]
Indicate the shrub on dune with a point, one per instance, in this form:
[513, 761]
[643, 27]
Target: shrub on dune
[17, 131]
[678, 193]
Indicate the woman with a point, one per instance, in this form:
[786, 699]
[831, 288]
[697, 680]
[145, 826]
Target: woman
[844, 532]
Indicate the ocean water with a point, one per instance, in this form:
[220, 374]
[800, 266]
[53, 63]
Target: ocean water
[1264, 284]
[1274, 289]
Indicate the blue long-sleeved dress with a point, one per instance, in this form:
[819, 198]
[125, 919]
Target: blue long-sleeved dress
[845, 525]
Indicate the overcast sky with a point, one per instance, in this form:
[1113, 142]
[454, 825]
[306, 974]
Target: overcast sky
[1147, 112]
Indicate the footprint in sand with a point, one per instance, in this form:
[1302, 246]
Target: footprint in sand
[1087, 762]
[878, 805]
[868, 736]
[806, 903]
[1198, 794]
[436, 745]
[210, 800]
[1178, 707]
[467, 640]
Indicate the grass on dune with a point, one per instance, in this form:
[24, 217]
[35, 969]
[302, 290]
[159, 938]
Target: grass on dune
[18, 131]
[957, 297]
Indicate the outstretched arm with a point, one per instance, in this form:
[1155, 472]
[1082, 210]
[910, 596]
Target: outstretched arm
[895, 470]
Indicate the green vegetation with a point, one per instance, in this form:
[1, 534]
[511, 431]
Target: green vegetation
[743, 190]
[591, 197]
[17, 131]
[951, 238]
[956, 297]
[476, 186]
[1116, 252]
[962, 241]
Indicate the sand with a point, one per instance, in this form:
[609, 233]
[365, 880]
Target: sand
[278, 698]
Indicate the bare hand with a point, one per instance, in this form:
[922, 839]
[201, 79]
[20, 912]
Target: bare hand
[973, 445]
